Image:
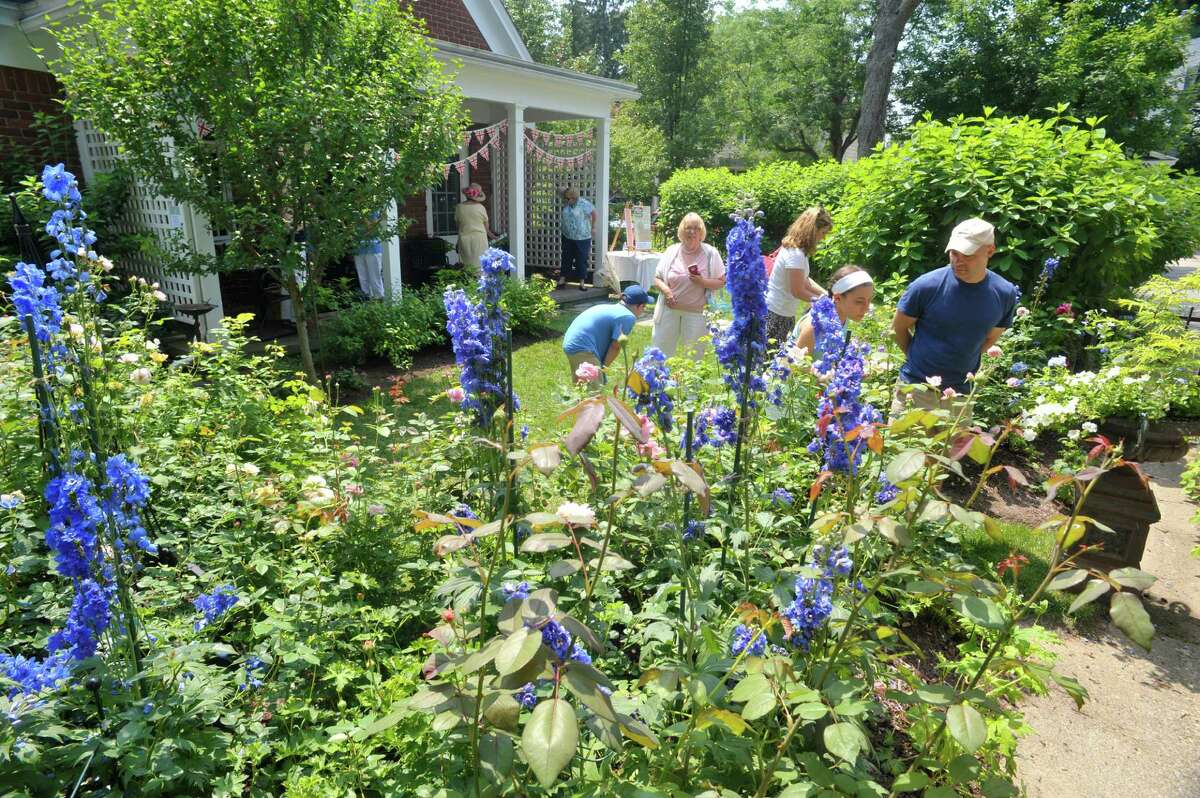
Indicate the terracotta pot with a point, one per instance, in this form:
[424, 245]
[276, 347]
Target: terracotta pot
[1121, 501]
[1159, 442]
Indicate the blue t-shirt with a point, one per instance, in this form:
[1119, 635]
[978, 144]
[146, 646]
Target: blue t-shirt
[596, 328]
[577, 220]
[953, 320]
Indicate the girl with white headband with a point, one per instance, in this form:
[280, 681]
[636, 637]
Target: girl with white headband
[852, 291]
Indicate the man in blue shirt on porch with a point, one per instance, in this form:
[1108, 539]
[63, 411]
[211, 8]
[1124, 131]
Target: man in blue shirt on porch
[948, 317]
[594, 336]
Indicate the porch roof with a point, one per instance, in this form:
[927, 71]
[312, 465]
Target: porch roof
[547, 92]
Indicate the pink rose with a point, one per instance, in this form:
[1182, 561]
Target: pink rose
[456, 395]
[949, 393]
[994, 351]
[651, 449]
[587, 372]
[1064, 309]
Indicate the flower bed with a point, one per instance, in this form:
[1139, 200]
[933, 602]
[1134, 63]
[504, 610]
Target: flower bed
[218, 584]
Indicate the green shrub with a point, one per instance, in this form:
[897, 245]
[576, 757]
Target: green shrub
[529, 305]
[1052, 187]
[785, 188]
[394, 330]
[712, 193]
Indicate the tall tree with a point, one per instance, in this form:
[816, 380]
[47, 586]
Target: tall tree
[540, 23]
[1102, 58]
[665, 58]
[310, 114]
[891, 18]
[597, 33]
[792, 76]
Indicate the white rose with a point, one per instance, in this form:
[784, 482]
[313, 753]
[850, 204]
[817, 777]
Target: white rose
[1089, 427]
[576, 514]
[128, 357]
[934, 381]
[141, 376]
[1074, 434]
[1029, 434]
[105, 263]
[152, 345]
[160, 296]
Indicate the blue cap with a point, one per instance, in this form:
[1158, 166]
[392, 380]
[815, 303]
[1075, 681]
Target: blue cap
[636, 295]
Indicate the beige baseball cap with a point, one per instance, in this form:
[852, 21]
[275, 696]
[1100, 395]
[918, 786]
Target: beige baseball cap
[968, 236]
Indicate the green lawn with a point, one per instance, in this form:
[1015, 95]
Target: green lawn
[984, 553]
[539, 376]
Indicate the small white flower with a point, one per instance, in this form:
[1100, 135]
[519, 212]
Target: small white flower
[1029, 434]
[576, 514]
[128, 357]
[155, 286]
[949, 393]
[1074, 434]
[934, 381]
[160, 296]
[314, 481]
[105, 263]
[152, 345]
[1058, 362]
[141, 376]
[1113, 372]
[81, 252]
[1089, 427]
[76, 330]
[250, 469]
[1022, 312]
[1128, 381]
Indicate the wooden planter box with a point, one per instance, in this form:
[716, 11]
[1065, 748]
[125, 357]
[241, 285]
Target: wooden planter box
[1162, 441]
[1119, 500]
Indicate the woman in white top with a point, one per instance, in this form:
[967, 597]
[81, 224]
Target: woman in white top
[686, 272]
[790, 280]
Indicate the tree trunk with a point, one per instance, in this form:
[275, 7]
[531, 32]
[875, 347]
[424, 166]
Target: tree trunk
[891, 17]
[300, 314]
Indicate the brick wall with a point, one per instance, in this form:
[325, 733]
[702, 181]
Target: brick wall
[449, 21]
[23, 93]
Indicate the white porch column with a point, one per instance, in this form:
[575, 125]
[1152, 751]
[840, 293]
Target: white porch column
[601, 236]
[515, 150]
[392, 287]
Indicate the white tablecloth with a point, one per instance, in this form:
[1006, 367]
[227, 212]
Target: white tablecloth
[634, 266]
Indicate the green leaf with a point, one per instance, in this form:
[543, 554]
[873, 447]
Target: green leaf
[966, 726]
[981, 611]
[517, 650]
[1094, 590]
[759, 705]
[910, 782]
[937, 694]
[749, 687]
[1132, 578]
[964, 768]
[941, 791]
[1130, 617]
[844, 740]
[550, 738]
[502, 711]
[1067, 579]
[905, 465]
[547, 541]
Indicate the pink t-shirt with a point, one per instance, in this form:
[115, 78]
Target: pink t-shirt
[673, 270]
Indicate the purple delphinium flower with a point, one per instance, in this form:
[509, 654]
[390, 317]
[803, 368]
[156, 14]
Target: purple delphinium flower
[1049, 268]
[556, 638]
[741, 348]
[128, 491]
[518, 591]
[693, 529]
[250, 679]
[782, 497]
[32, 675]
[753, 642]
[840, 408]
[475, 330]
[813, 604]
[887, 491]
[656, 401]
[580, 654]
[715, 426]
[214, 605]
[526, 696]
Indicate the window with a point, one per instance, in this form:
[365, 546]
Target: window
[443, 199]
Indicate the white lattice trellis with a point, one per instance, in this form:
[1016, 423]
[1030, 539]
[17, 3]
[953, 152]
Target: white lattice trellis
[148, 212]
[544, 182]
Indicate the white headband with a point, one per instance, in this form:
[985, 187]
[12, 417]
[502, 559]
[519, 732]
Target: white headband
[850, 282]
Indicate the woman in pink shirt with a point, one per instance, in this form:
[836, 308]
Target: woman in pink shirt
[686, 273]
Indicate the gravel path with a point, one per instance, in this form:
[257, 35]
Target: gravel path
[1139, 733]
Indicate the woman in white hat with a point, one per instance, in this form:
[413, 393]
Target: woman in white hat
[473, 228]
[852, 290]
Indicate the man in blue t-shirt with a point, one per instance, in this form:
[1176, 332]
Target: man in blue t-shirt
[594, 336]
[949, 316]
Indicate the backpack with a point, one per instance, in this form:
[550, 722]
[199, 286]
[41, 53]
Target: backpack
[769, 260]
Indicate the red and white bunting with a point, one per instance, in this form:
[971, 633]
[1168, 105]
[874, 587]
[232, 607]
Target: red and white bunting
[474, 161]
[486, 152]
[461, 167]
[446, 172]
